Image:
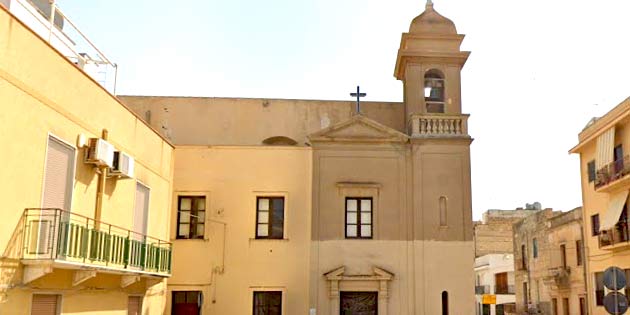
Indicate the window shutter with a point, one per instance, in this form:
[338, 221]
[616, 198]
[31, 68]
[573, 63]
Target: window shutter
[134, 306]
[44, 304]
[58, 177]
[605, 148]
[141, 210]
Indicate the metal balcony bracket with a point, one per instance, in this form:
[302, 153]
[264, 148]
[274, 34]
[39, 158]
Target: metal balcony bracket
[126, 281]
[81, 276]
[34, 272]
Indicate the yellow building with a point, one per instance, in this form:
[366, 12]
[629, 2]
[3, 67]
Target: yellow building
[310, 207]
[605, 185]
[85, 220]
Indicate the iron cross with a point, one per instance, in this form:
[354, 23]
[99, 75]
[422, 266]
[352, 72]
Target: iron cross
[358, 95]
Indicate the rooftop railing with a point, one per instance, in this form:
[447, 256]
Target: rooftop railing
[51, 24]
[62, 236]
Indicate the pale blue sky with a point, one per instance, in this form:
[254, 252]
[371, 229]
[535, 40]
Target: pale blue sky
[536, 71]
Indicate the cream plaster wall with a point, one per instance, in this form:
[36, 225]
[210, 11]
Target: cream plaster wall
[42, 93]
[231, 178]
[248, 121]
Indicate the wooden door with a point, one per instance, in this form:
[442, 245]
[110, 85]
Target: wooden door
[359, 303]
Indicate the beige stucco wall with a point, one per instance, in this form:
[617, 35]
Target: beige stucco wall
[42, 93]
[231, 178]
[248, 121]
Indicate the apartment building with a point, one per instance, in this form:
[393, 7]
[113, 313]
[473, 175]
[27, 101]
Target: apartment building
[86, 186]
[604, 175]
[549, 262]
[322, 207]
[494, 259]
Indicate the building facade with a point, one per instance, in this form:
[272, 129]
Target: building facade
[310, 207]
[80, 233]
[604, 169]
[494, 260]
[549, 262]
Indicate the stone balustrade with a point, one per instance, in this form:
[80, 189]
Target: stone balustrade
[439, 126]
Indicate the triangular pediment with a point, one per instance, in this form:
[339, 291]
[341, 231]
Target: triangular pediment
[358, 129]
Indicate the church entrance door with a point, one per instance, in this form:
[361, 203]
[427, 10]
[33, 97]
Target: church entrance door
[359, 303]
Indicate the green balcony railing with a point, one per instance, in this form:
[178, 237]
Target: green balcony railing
[61, 235]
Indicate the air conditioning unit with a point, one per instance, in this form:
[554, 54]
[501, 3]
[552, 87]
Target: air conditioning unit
[99, 152]
[123, 165]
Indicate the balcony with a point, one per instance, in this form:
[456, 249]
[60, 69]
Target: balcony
[482, 289]
[439, 126]
[66, 240]
[560, 276]
[613, 175]
[616, 237]
[504, 289]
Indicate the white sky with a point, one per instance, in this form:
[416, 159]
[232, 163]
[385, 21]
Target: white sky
[539, 70]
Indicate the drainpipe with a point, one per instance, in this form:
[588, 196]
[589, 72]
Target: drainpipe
[100, 187]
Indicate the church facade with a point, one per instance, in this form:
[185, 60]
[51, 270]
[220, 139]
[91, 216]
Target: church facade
[311, 207]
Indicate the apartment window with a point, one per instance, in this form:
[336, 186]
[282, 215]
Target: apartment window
[358, 217]
[59, 175]
[141, 211]
[267, 303]
[186, 302]
[554, 306]
[45, 304]
[595, 224]
[191, 217]
[599, 288]
[591, 171]
[578, 252]
[525, 295]
[565, 306]
[582, 306]
[563, 255]
[499, 309]
[535, 247]
[501, 283]
[523, 257]
[270, 217]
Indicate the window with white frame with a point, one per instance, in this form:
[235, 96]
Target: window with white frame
[270, 217]
[359, 217]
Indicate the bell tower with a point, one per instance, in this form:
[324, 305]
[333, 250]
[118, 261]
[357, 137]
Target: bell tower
[429, 64]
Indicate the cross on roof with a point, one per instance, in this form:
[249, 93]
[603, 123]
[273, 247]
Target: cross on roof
[358, 95]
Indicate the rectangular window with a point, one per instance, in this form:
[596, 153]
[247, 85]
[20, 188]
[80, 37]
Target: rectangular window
[595, 224]
[535, 248]
[591, 171]
[599, 288]
[358, 217]
[267, 303]
[141, 211]
[59, 175]
[191, 217]
[501, 283]
[582, 306]
[45, 304]
[563, 255]
[578, 252]
[499, 309]
[186, 302]
[270, 217]
[554, 306]
[523, 258]
[565, 306]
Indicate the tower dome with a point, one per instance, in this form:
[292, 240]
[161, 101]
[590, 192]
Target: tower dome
[431, 22]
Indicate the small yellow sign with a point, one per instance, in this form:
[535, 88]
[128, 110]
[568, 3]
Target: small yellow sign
[489, 299]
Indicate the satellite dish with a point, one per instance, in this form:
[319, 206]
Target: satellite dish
[615, 303]
[614, 278]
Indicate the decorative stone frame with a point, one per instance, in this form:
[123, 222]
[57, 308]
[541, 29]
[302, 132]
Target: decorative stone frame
[376, 282]
[359, 190]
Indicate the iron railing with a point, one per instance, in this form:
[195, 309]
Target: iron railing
[482, 289]
[504, 289]
[612, 172]
[619, 234]
[60, 235]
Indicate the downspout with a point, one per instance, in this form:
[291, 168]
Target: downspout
[100, 187]
[584, 257]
